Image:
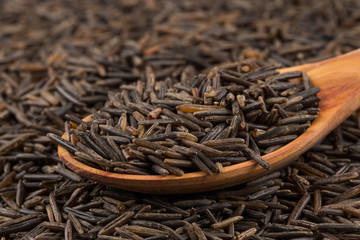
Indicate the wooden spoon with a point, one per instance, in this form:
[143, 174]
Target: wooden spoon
[339, 80]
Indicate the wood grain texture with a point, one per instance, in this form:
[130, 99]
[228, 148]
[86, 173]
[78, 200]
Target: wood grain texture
[339, 80]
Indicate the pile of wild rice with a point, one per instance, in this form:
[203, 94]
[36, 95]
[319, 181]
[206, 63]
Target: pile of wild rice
[205, 123]
[64, 57]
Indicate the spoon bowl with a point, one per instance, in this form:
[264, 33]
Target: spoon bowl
[339, 81]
